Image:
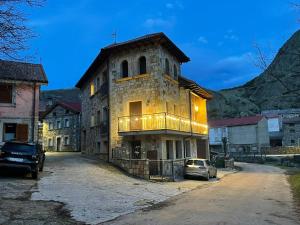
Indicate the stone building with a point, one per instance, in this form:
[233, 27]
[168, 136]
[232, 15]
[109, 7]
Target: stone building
[239, 135]
[61, 127]
[19, 100]
[280, 122]
[291, 132]
[135, 90]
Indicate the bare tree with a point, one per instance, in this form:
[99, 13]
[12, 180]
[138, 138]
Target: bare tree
[14, 32]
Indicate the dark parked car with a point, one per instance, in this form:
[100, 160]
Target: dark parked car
[29, 157]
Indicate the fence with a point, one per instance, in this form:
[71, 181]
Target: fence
[166, 169]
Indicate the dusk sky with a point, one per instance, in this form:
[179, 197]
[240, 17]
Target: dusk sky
[217, 35]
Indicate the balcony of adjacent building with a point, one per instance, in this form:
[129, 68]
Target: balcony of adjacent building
[160, 123]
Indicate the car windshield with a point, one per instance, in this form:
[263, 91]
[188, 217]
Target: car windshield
[16, 147]
[198, 163]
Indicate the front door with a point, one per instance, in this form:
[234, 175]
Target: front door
[202, 149]
[58, 144]
[136, 150]
[135, 112]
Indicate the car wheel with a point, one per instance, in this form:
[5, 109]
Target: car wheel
[215, 175]
[35, 174]
[207, 177]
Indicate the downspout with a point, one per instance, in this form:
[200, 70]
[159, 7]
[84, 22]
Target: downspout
[108, 116]
[33, 112]
[190, 114]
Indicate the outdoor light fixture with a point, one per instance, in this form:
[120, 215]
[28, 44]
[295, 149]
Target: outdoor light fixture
[196, 108]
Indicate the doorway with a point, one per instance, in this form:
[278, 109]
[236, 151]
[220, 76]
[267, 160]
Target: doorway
[136, 150]
[135, 112]
[58, 144]
[202, 149]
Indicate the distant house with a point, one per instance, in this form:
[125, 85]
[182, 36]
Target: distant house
[245, 134]
[291, 132]
[61, 127]
[278, 125]
[19, 100]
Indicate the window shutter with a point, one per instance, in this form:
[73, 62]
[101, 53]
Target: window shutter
[5, 93]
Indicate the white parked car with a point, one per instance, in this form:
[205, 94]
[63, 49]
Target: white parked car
[200, 168]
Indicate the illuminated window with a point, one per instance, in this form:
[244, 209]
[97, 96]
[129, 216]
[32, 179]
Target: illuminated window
[92, 87]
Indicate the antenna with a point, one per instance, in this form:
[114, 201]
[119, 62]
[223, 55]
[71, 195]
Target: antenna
[114, 36]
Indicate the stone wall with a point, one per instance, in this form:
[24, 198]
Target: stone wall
[135, 167]
[291, 134]
[72, 132]
[93, 140]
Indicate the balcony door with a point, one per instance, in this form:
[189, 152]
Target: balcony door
[135, 112]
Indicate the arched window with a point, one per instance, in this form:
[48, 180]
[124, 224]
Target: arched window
[175, 72]
[142, 65]
[167, 67]
[124, 68]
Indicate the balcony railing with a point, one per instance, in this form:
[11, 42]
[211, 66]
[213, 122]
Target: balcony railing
[160, 121]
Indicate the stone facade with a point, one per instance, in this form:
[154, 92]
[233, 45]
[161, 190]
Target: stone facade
[291, 132]
[150, 80]
[61, 129]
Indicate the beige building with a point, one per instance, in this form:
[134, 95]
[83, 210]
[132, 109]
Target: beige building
[151, 111]
[242, 135]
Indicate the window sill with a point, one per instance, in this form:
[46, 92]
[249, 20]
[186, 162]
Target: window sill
[11, 105]
[140, 76]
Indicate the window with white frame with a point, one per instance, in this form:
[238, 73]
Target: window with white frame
[67, 122]
[66, 140]
[50, 126]
[58, 124]
[50, 142]
[92, 121]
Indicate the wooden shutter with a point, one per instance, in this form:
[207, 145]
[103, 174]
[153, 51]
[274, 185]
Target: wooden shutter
[5, 93]
[22, 132]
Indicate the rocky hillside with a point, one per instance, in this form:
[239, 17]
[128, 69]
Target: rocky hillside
[278, 87]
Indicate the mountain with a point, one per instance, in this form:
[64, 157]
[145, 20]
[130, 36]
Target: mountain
[278, 87]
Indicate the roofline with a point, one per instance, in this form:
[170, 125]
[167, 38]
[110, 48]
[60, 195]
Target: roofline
[105, 52]
[64, 105]
[45, 81]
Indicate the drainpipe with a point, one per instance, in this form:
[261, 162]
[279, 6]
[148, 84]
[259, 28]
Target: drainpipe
[33, 112]
[190, 113]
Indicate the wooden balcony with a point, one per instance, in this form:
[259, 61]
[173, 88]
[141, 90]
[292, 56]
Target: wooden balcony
[160, 123]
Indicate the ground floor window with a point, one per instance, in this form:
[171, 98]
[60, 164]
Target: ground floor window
[66, 140]
[14, 131]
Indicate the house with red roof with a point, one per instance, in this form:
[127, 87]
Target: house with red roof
[239, 135]
[61, 127]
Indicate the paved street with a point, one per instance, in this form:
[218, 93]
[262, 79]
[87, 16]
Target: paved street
[78, 190]
[258, 195]
[73, 188]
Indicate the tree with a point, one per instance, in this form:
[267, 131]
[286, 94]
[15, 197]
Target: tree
[14, 32]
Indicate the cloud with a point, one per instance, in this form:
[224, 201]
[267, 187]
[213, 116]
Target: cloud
[231, 36]
[202, 40]
[158, 22]
[176, 5]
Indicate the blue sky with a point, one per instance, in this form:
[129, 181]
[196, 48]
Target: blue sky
[217, 35]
